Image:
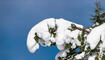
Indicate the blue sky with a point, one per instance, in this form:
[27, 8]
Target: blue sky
[17, 17]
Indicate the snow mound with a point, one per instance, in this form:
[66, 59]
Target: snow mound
[97, 34]
[62, 53]
[80, 56]
[92, 57]
[46, 36]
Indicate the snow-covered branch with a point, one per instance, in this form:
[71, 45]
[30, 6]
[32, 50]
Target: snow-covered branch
[73, 40]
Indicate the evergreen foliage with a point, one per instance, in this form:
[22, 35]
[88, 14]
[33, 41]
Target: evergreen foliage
[98, 18]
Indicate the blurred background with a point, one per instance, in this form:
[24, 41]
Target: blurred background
[17, 17]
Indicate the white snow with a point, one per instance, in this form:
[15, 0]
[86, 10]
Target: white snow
[80, 56]
[63, 35]
[103, 39]
[97, 34]
[31, 43]
[92, 57]
[42, 30]
[62, 53]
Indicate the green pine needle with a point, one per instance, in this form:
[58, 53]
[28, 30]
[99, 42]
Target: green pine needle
[54, 35]
[67, 46]
[79, 38]
[36, 39]
[103, 57]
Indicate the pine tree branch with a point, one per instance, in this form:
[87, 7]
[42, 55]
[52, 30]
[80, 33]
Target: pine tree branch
[88, 31]
[81, 29]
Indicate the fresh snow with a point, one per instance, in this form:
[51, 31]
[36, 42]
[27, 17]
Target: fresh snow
[31, 43]
[80, 56]
[92, 57]
[97, 34]
[63, 34]
[62, 53]
[42, 30]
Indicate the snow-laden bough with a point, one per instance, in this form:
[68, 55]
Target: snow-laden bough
[73, 40]
[97, 34]
[62, 35]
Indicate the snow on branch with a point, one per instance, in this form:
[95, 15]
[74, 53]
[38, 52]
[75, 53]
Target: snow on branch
[45, 32]
[73, 40]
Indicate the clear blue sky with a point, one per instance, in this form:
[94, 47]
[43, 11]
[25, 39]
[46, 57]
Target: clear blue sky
[18, 16]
